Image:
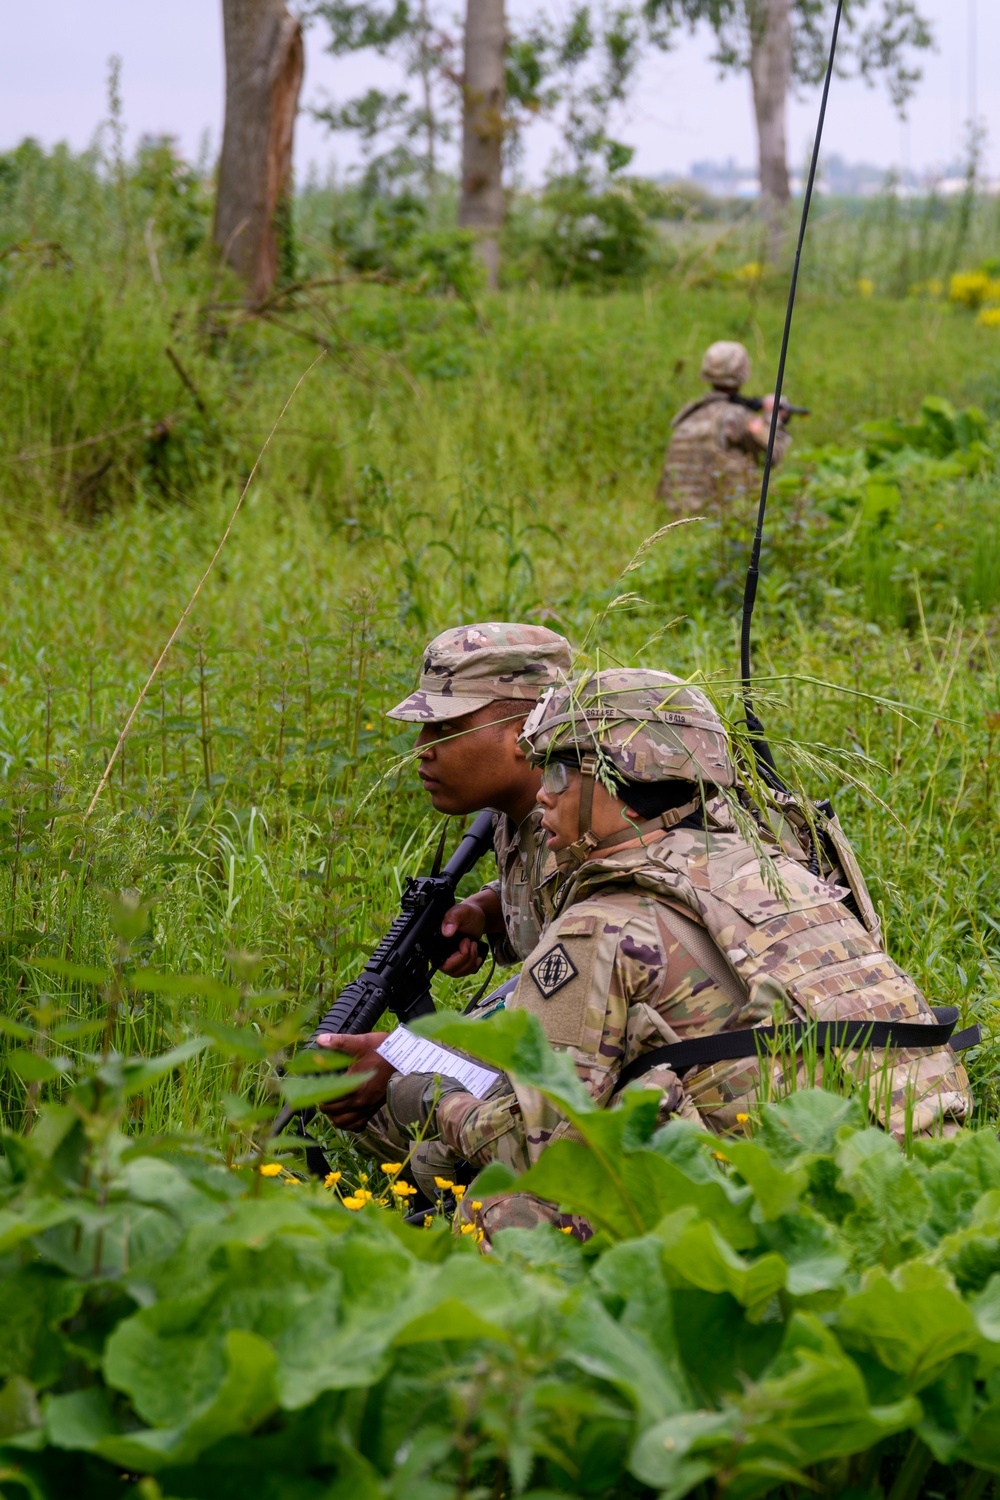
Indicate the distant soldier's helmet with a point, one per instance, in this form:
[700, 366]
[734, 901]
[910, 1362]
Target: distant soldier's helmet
[651, 726]
[726, 365]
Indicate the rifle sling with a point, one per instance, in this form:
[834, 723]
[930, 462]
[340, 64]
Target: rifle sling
[725, 1046]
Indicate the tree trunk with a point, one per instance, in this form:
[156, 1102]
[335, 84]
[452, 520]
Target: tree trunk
[483, 98]
[770, 77]
[265, 62]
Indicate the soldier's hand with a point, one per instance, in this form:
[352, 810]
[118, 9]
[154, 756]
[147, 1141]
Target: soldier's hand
[353, 1111]
[468, 921]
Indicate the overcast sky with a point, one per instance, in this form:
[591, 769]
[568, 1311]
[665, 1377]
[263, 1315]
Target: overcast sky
[54, 65]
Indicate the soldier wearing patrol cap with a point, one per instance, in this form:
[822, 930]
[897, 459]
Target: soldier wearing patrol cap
[669, 928]
[477, 685]
[716, 442]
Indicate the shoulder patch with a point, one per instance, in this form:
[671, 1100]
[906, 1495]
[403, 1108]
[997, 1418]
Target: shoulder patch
[554, 969]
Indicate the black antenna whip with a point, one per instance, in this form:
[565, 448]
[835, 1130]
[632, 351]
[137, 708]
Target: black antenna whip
[754, 725]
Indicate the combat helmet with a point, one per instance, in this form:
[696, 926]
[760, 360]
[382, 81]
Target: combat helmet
[726, 365]
[639, 726]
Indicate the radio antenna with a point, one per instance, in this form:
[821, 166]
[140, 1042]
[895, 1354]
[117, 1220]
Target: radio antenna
[754, 725]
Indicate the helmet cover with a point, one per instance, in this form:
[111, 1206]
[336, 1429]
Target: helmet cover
[726, 365]
[651, 726]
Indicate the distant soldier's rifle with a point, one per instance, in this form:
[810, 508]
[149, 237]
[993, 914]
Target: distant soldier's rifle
[756, 403]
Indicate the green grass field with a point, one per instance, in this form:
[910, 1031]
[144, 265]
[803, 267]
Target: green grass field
[809, 1311]
[446, 460]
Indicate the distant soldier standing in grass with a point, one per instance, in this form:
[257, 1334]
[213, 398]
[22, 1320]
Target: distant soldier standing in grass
[718, 441]
[477, 686]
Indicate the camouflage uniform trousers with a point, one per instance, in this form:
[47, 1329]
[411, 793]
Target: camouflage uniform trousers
[712, 459]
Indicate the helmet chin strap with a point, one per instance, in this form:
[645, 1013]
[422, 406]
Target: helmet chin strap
[587, 842]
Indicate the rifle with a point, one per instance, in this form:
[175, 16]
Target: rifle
[397, 977]
[756, 403]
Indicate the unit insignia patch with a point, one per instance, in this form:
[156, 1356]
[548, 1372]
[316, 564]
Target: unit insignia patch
[553, 970]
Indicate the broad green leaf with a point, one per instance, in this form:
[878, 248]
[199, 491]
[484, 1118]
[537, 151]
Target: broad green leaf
[986, 1310]
[79, 1420]
[810, 1249]
[64, 969]
[245, 1398]
[678, 1453]
[313, 1060]
[776, 1191]
[892, 1204]
[10, 1027]
[807, 1123]
[815, 1406]
[302, 1092]
[149, 981]
[236, 1041]
[34, 1300]
[912, 1321]
[637, 1350]
[495, 1178]
[38, 1067]
[698, 1256]
[139, 1072]
[37, 1215]
[20, 1414]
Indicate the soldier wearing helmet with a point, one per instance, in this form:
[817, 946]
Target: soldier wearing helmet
[670, 927]
[717, 441]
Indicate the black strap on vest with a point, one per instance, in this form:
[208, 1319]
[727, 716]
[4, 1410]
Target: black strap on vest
[724, 1046]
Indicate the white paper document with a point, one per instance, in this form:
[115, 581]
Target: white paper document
[414, 1054]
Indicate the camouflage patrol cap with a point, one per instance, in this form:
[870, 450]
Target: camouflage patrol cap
[726, 365]
[466, 668]
[652, 726]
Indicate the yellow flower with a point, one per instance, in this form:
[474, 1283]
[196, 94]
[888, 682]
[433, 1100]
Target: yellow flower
[362, 1176]
[362, 1193]
[271, 1169]
[468, 1229]
[331, 1179]
[476, 1205]
[428, 1220]
[719, 1156]
[459, 1192]
[742, 1119]
[989, 317]
[403, 1190]
[369, 726]
[390, 1168]
[751, 272]
[865, 286]
[443, 1183]
[970, 288]
[290, 1177]
[354, 1202]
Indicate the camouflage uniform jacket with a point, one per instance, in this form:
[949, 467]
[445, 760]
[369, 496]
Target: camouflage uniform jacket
[528, 878]
[712, 455]
[609, 980]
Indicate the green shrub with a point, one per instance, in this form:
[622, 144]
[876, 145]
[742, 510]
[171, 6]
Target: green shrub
[804, 1312]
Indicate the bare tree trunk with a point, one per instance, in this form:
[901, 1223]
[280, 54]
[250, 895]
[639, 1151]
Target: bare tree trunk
[265, 62]
[430, 121]
[770, 77]
[482, 202]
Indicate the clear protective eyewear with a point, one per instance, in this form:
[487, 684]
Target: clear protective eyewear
[555, 777]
